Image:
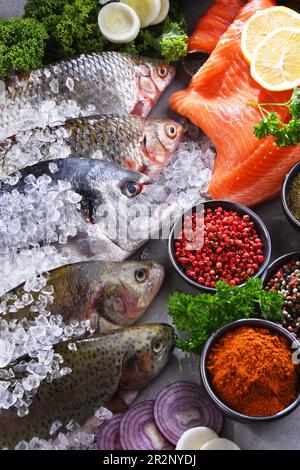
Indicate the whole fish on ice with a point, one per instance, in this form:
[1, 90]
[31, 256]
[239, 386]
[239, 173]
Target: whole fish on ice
[137, 143]
[110, 294]
[99, 83]
[107, 370]
[89, 201]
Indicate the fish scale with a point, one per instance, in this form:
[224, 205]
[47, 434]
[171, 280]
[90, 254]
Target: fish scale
[108, 82]
[101, 367]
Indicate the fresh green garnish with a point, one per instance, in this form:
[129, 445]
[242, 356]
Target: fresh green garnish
[285, 134]
[22, 45]
[200, 316]
[72, 26]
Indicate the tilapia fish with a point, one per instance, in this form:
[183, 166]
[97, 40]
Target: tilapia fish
[89, 201]
[137, 143]
[107, 370]
[109, 82]
[110, 294]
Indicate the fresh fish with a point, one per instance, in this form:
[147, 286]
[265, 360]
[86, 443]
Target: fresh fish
[140, 144]
[107, 370]
[247, 170]
[111, 203]
[110, 294]
[106, 83]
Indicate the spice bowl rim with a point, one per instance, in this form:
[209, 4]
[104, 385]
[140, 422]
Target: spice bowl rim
[278, 262]
[231, 205]
[225, 409]
[284, 194]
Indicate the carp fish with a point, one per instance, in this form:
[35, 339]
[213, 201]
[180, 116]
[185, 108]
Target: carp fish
[112, 295]
[98, 83]
[137, 143]
[107, 370]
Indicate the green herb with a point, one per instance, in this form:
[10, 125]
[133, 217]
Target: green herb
[200, 316]
[73, 29]
[285, 134]
[22, 44]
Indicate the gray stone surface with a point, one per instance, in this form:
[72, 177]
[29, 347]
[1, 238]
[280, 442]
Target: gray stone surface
[282, 434]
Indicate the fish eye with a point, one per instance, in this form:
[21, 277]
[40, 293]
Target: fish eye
[171, 131]
[132, 189]
[157, 346]
[140, 275]
[162, 71]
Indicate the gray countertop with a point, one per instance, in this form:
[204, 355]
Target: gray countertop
[283, 434]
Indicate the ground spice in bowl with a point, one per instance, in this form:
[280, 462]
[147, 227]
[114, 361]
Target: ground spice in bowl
[293, 198]
[252, 372]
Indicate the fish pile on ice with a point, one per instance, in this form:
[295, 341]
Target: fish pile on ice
[61, 183]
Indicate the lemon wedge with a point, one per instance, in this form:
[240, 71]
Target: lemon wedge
[276, 60]
[265, 22]
[118, 23]
[147, 10]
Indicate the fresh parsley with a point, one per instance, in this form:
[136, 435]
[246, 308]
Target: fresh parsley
[285, 134]
[198, 317]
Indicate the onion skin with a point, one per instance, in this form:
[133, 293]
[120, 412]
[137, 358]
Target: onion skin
[109, 434]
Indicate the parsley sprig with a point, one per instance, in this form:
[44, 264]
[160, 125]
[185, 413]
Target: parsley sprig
[285, 134]
[198, 317]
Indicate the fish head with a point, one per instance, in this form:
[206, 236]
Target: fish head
[153, 77]
[150, 348]
[161, 138]
[126, 290]
[129, 208]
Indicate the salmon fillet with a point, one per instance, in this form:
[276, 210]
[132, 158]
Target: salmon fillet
[247, 170]
[213, 24]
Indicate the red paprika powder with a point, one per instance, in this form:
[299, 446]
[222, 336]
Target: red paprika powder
[251, 370]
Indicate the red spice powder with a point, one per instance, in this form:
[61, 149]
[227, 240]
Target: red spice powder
[251, 370]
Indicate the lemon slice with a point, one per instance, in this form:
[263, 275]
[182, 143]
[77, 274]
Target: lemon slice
[263, 23]
[276, 60]
[118, 23]
[164, 10]
[147, 10]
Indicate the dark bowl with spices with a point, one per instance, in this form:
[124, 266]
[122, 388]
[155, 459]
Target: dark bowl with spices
[231, 243]
[290, 195]
[283, 275]
[243, 382]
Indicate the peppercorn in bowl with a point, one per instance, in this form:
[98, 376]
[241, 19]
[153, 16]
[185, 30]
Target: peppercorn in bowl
[250, 369]
[283, 276]
[219, 241]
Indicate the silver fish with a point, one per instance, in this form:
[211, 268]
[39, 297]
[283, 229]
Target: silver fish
[107, 202]
[110, 294]
[107, 370]
[137, 143]
[105, 83]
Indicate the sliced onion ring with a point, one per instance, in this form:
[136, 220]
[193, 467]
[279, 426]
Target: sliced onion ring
[184, 405]
[138, 430]
[109, 434]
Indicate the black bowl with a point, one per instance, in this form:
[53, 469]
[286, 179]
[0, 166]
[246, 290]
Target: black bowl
[284, 194]
[228, 205]
[278, 263]
[225, 409]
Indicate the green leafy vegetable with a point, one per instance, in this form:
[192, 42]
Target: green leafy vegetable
[22, 44]
[285, 134]
[73, 29]
[200, 316]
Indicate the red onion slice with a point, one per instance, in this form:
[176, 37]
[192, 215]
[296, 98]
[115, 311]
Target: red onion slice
[109, 434]
[138, 430]
[184, 405]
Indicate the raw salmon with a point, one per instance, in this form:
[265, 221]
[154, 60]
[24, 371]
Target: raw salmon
[247, 170]
[213, 24]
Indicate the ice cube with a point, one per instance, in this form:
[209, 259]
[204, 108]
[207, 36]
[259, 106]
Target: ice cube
[55, 427]
[70, 83]
[6, 351]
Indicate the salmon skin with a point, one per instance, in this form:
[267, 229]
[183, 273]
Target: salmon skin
[247, 170]
[213, 24]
